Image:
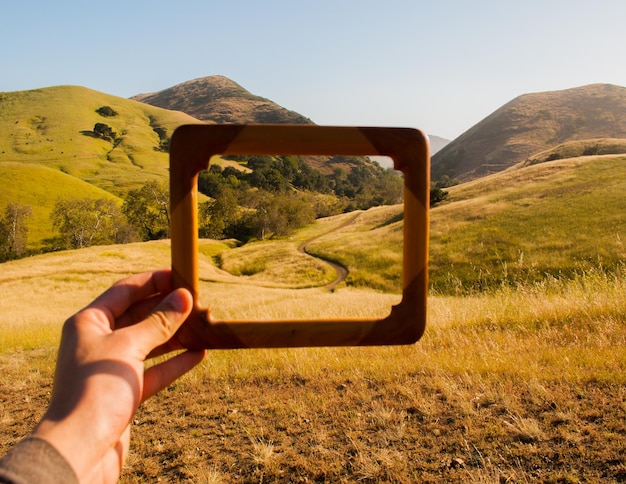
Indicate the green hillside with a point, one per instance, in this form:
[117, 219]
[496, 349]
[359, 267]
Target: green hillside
[48, 150]
[117, 145]
[45, 186]
[553, 219]
[530, 224]
[556, 219]
[54, 127]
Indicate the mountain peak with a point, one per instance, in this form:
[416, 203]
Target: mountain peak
[218, 99]
[531, 123]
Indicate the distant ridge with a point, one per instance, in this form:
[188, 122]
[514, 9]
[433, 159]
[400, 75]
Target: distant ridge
[437, 143]
[218, 99]
[532, 123]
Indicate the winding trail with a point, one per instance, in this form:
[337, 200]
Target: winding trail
[342, 271]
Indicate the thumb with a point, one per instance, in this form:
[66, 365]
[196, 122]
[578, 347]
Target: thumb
[163, 321]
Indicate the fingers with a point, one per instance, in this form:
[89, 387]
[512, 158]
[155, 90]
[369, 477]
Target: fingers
[158, 377]
[138, 311]
[123, 294]
[161, 324]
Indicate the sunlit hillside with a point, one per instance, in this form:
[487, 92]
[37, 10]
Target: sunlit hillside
[532, 123]
[45, 185]
[521, 383]
[54, 127]
[528, 224]
[553, 219]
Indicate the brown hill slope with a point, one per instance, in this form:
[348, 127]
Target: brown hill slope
[218, 99]
[532, 123]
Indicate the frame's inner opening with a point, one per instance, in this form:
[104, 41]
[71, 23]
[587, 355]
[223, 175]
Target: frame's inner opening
[300, 237]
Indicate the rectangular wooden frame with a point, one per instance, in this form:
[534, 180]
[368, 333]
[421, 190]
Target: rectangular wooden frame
[191, 148]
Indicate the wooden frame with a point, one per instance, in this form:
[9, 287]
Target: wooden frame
[191, 148]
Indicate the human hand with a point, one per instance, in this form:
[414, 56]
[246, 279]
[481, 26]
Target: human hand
[100, 379]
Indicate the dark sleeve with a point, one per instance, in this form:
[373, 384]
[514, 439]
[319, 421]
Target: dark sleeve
[34, 460]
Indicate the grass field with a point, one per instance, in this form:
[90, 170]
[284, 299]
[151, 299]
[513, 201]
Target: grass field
[521, 385]
[51, 127]
[47, 151]
[520, 376]
[46, 187]
[558, 218]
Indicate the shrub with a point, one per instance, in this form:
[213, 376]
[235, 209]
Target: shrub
[106, 111]
[104, 131]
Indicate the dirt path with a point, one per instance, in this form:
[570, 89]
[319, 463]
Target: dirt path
[342, 271]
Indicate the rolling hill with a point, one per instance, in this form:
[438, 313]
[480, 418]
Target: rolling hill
[54, 126]
[530, 124]
[49, 150]
[102, 145]
[217, 99]
[551, 220]
[39, 187]
[531, 224]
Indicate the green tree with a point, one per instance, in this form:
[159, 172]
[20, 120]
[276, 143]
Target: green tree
[106, 111]
[279, 215]
[296, 212]
[210, 181]
[14, 231]
[325, 204]
[437, 192]
[85, 222]
[218, 215]
[147, 209]
[437, 195]
[104, 131]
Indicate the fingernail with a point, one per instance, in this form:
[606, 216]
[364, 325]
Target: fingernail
[178, 301]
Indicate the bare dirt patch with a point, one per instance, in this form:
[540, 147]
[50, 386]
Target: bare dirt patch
[334, 426]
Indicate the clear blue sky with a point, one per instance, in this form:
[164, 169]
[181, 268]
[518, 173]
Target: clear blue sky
[438, 65]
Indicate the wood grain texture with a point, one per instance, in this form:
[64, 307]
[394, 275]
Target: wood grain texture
[191, 148]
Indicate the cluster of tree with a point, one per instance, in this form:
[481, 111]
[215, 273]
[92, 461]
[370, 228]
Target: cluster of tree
[282, 193]
[14, 231]
[106, 111]
[363, 186]
[144, 215]
[437, 195]
[279, 195]
[87, 221]
[229, 214]
[104, 131]
[255, 215]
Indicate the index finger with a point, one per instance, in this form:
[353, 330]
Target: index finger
[123, 294]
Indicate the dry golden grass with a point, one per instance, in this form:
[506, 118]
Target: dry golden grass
[559, 218]
[369, 246]
[36, 291]
[276, 264]
[523, 384]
